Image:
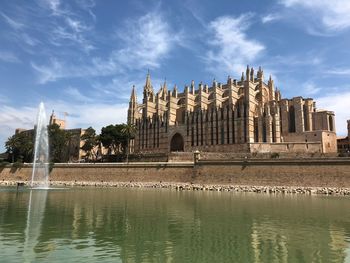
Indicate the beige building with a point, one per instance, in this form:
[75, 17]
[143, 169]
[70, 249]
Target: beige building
[73, 152]
[246, 115]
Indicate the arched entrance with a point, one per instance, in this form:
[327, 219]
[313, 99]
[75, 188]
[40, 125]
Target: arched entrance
[177, 143]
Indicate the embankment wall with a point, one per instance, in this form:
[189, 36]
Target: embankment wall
[280, 172]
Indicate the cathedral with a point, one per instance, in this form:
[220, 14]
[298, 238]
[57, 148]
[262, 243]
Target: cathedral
[246, 115]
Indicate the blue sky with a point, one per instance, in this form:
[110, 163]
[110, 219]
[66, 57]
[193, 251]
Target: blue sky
[83, 56]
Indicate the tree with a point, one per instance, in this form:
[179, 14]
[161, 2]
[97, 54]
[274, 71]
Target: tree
[58, 140]
[129, 131]
[11, 147]
[112, 138]
[90, 142]
[20, 147]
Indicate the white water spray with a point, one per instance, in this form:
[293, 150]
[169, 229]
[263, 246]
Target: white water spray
[40, 171]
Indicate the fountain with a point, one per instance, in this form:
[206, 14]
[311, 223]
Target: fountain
[40, 171]
[33, 230]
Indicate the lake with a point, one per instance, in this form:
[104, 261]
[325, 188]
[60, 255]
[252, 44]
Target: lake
[162, 225]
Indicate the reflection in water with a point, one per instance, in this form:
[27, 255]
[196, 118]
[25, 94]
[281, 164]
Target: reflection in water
[130, 225]
[36, 211]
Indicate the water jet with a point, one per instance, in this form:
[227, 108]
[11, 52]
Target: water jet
[40, 172]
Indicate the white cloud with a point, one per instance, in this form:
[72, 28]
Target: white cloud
[59, 69]
[76, 25]
[8, 57]
[75, 94]
[334, 15]
[60, 35]
[55, 6]
[19, 29]
[12, 118]
[92, 114]
[67, 26]
[305, 59]
[309, 88]
[232, 47]
[29, 40]
[11, 22]
[147, 41]
[338, 71]
[269, 18]
[339, 103]
[48, 73]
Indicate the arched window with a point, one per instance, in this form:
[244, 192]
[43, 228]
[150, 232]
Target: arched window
[291, 119]
[212, 127]
[264, 131]
[256, 130]
[192, 136]
[228, 123]
[273, 131]
[330, 123]
[306, 121]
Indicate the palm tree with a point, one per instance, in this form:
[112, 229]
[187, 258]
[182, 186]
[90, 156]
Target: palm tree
[129, 131]
[11, 146]
[20, 146]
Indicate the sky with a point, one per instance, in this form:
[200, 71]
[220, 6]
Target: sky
[83, 56]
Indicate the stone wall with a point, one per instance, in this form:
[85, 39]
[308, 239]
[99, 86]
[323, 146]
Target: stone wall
[287, 147]
[285, 172]
[303, 172]
[138, 172]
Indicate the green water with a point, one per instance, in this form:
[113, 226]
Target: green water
[149, 225]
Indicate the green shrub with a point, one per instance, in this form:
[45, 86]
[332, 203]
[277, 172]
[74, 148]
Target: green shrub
[4, 163]
[275, 155]
[17, 164]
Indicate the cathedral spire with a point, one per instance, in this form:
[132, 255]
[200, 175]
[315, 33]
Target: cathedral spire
[148, 85]
[247, 73]
[215, 84]
[175, 91]
[133, 94]
[192, 87]
[165, 87]
[260, 74]
[252, 74]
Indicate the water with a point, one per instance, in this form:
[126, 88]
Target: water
[151, 225]
[41, 151]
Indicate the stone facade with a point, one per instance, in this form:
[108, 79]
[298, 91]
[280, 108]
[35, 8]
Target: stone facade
[246, 115]
[344, 142]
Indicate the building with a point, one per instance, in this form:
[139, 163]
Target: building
[73, 153]
[344, 142]
[246, 115]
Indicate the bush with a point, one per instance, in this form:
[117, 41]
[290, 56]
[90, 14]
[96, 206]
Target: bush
[4, 163]
[17, 164]
[275, 155]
